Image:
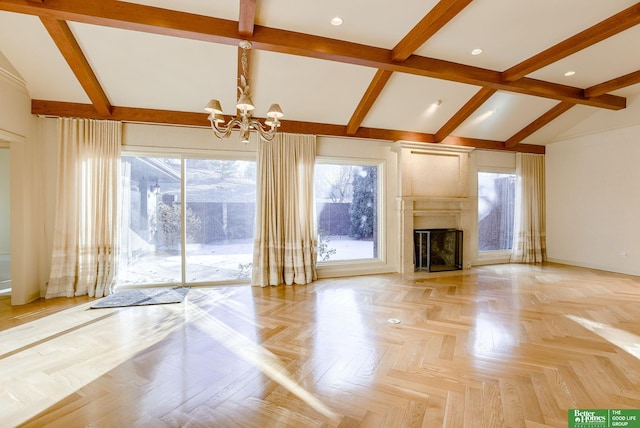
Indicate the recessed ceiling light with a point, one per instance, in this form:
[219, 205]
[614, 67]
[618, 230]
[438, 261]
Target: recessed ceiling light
[433, 107]
[477, 51]
[569, 73]
[336, 21]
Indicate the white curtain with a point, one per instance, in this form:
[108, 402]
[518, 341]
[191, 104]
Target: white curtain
[84, 258]
[285, 237]
[529, 235]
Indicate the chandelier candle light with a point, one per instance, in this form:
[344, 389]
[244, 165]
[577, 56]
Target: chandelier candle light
[245, 107]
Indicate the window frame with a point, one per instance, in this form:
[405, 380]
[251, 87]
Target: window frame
[381, 214]
[490, 256]
[183, 155]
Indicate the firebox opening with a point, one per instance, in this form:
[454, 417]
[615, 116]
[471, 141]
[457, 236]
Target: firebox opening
[437, 250]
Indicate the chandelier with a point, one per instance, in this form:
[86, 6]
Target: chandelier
[244, 120]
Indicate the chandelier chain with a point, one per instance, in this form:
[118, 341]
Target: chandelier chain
[244, 64]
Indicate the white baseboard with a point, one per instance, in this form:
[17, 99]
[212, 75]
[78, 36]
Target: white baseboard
[340, 269]
[593, 266]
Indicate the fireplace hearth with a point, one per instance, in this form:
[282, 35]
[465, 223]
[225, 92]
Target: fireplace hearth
[437, 250]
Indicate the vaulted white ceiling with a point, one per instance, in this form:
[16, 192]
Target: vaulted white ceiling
[145, 70]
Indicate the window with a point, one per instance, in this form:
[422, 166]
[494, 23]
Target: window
[346, 197]
[496, 197]
[210, 240]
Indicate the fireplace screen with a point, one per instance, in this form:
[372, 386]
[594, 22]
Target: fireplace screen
[437, 250]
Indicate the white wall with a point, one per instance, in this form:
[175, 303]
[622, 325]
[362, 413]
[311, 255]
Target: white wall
[5, 203]
[593, 199]
[47, 133]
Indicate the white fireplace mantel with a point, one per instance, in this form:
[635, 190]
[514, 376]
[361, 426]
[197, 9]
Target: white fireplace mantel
[421, 205]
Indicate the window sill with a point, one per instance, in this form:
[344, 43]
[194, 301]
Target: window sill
[353, 268]
[493, 257]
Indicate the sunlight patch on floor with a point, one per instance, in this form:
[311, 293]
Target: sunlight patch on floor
[623, 339]
[254, 354]
[46, 360]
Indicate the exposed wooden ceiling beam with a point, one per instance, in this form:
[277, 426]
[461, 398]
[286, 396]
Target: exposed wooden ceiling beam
[124, 114]
[169, 117]
[613, 84]
[438, 17]
[247, 18]
[467, 110]
[527, 86]
[179, 24]
[592, 35]
[72, 53]
[492, 145]
[346, 52]
[433, 21]
[331, 130]
[550, 115]
[370, 96]
[139, 115]
[132, 16]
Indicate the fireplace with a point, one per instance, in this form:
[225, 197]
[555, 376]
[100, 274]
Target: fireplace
[434, 196]
[437, 250]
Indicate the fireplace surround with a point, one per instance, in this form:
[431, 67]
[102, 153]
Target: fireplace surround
[434, 194]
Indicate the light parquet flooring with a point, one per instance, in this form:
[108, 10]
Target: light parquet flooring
[494, 346]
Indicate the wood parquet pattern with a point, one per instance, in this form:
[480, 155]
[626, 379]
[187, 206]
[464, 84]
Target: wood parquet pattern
[494, 346]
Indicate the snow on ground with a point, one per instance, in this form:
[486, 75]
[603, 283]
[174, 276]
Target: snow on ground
[211, 263]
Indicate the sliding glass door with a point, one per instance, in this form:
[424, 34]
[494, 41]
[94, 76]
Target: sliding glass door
[186, 220]
[220, 218]
[150, 228]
